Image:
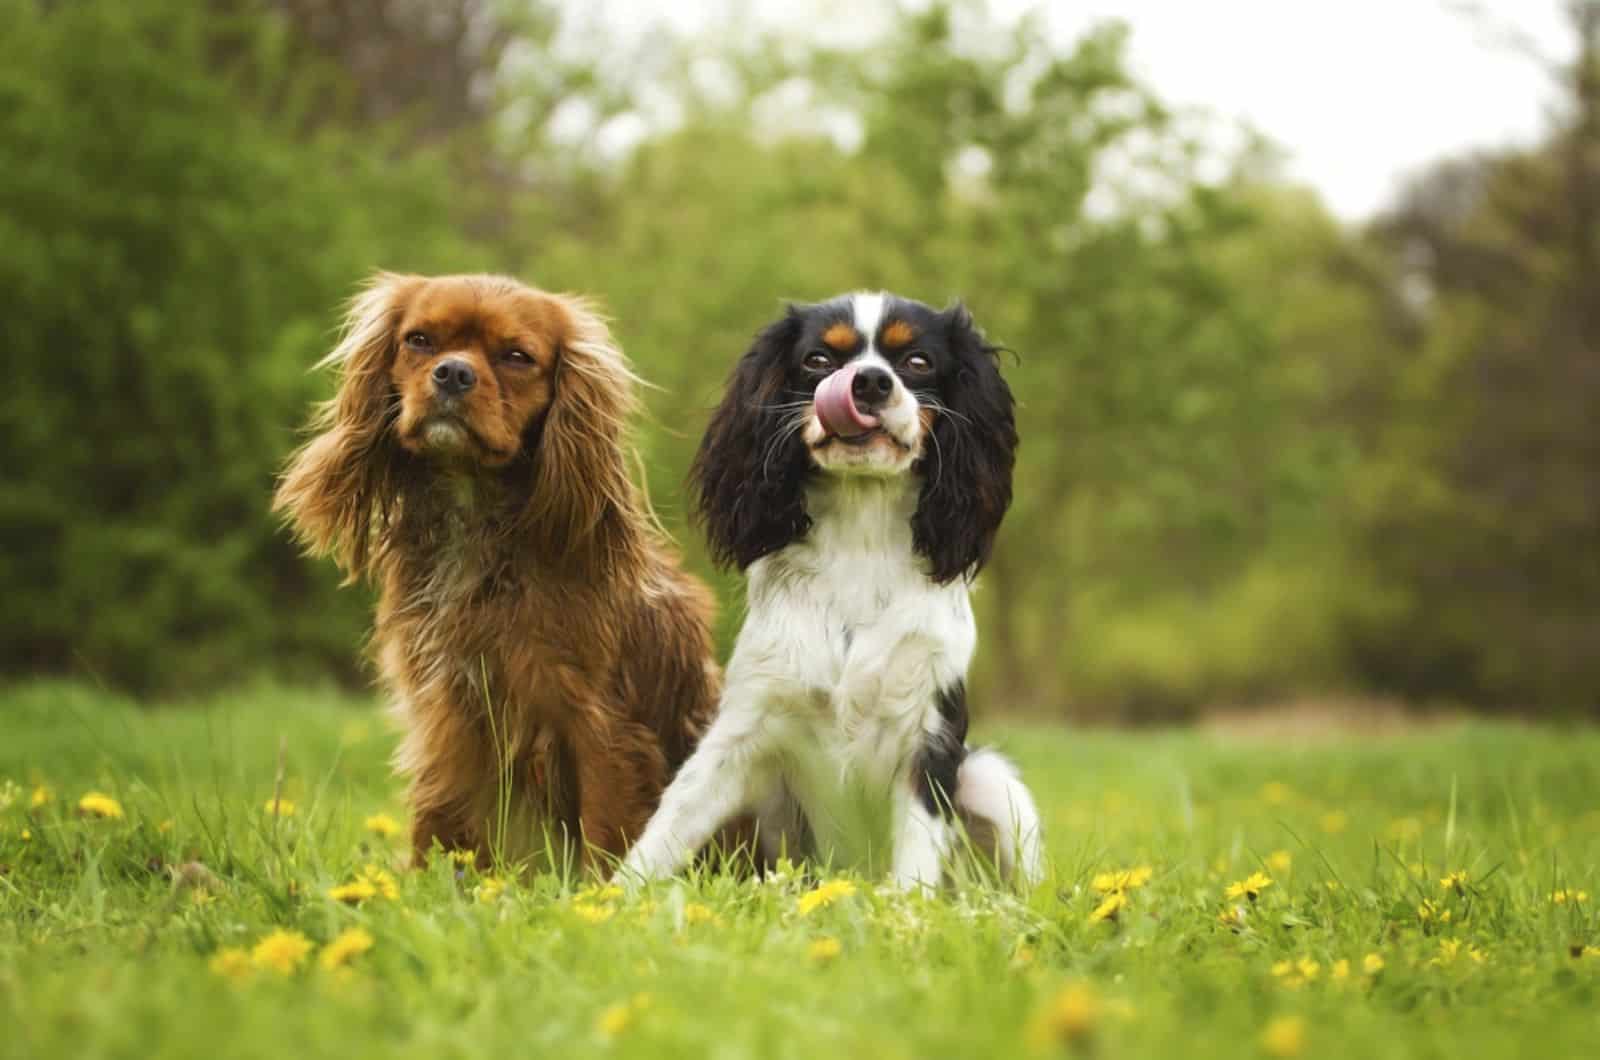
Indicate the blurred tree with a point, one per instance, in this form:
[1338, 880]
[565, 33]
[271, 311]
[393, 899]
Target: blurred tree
[175, 262]
[1482, 514]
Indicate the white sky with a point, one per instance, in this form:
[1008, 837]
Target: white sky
[1359, 93]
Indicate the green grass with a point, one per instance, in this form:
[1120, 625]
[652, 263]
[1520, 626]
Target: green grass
[101, 955]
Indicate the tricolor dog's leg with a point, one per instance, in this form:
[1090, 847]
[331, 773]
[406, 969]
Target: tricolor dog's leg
[921, 844]
[729, 772]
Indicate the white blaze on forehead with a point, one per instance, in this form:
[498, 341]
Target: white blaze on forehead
[867, 308]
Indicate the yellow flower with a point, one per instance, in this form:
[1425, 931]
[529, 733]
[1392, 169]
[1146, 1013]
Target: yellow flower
[1070, 1016]
[201, 897]
[614, 1020]
[1563, 896]
[825, 895]
[382, 825]
[165, 827]
[355, 892]
[1122, 880]
[1428, 912]
[1454, 881]
[1232, 917]
[1280, 861]
[281, 952]
[490, 889]
[382, 881]
[1334, 821]
[619, 1017]
[592, 913]
[27, 835]
[1285, 1036]
[1340, 970]
[463, 857]
[1276, 793]
[824, 949]
[1372, 963]
[346, 947]
[695, 913]
[278, 808]
[599, 893]
[1250, 887]
[1107, 910]
[94, 804]
[41, 795]
[232, 963]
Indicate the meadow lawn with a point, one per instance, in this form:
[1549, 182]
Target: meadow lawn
[1436, 894]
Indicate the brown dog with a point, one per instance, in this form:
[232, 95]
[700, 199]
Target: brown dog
[551, 662]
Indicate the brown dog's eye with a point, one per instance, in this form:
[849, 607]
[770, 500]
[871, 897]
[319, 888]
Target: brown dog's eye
[516, 356]
[419, 340]
[817, 361]
[918, 363]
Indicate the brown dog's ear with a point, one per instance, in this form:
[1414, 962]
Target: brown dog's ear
[338, 487]
[580, 464]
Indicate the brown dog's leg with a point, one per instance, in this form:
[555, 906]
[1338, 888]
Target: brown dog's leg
[621, 772]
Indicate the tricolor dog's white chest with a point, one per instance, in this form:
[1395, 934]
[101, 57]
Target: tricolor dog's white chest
[851, 641]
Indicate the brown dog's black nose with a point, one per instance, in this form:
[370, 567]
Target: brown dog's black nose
[453, 377]
[871, 388]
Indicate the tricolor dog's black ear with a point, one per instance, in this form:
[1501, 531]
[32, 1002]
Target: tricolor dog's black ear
[966, 465]
[748, 478]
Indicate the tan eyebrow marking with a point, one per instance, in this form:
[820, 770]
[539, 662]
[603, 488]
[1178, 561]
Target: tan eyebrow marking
[841, 336]
[898, 333]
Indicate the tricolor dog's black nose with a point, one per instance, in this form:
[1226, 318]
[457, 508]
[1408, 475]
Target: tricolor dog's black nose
[453, 377]
[871, 388]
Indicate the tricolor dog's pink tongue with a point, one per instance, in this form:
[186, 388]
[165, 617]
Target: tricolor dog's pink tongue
[836, 407]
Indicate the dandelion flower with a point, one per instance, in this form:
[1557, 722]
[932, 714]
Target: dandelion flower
[1122, 880]
[1232, 917]
[599, 893]
[1334, 821]
[232, 963]
[94, 804]
[1428, 912]
[1250, 887]
[1280, 861]
[695, 913]
[1276, 793]
[165, 827]
[1108, 909]
[40, 796]
[464, 857]
[824, 949]
[1070, 1016]
[1563, 896]
[382, 825]
[1340, 972]
[490, 889]
[278, 808]
[824, 895]
[1372, 963]
[615, 1019]
[281, 952]
[1285, 1036]
[27, 835]
[591, 913]
[383, 882]
[1454, 881]
[346, 947]
[355, 892]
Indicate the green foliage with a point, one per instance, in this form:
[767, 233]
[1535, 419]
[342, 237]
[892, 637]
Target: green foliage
[1256, 460]
[175, 261]
[109, 927]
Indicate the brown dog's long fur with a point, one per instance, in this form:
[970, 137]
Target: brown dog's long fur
[532, 625]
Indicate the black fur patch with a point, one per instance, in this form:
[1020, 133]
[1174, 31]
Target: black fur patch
[939, 761]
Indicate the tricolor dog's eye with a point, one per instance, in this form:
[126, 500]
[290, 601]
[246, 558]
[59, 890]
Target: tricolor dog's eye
[917, 363]
[517, 356]
[418, 340]
[818, 361]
